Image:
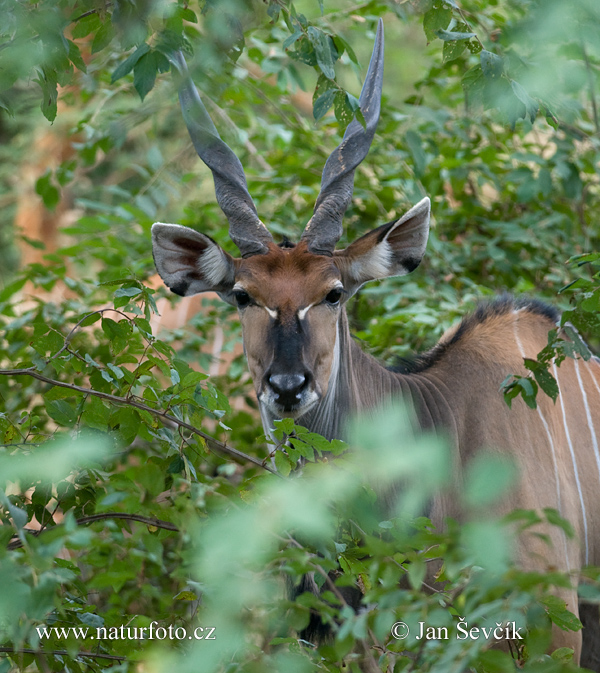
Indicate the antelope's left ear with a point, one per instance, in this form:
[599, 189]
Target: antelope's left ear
[190, 262]
[394, 249]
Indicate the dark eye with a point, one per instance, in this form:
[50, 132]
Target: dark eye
[242, 298]
[334, 296]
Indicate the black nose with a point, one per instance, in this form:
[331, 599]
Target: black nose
[287, 387]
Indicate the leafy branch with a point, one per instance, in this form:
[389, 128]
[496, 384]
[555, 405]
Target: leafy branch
[564, 342]
[212, 443]
[61, 653]
[149, 521]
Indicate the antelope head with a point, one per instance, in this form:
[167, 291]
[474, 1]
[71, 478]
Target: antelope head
[289, 297]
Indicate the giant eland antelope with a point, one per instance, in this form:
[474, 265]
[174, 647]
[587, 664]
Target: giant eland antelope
[305, 365]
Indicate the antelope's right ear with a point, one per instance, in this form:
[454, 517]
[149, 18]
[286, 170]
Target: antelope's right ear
[190, 262]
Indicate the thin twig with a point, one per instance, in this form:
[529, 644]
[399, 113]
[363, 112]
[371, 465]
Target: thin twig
[212, 443]
[62, 653]
[67, 339]
[149, 521]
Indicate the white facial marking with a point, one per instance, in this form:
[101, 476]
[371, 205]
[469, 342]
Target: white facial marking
[272, 312]
[303, 311]
[550, 441]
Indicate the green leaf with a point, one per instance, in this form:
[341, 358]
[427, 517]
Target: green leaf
[286, 425]
[343, 110]
[47, 190]
[117, 333]
[127, 420]
[492, 65]
[48, 83]
[528, 391]
[103, 37]
[447, 35]
[323, 103]
[342, 45]
[128, 292]
[495, 661]
[563, 654]
[283, 463]
[591, 302]
[436, 19]
[323, 47]
[579, 344]
[273, 10]
[289, 41]
[354, 104]
[86, 25]
[62, 412]
[473, 82]
[90, 319]
[91, 619]
[555, 519]
[559, 615]
[127, 65]
[187, 14]
[176, 466]
[146, 69]
[544, 378]
[117, 371]
[452, 50]
[75, 57]
[416, 574]
[96, 414]
[531, 107]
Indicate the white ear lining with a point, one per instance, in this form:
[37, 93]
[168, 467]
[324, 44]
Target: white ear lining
[375, 264]
[398, 252]
[188, 261]
[213, 265]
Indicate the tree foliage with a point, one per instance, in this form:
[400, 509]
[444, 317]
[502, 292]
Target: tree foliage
[151, 497]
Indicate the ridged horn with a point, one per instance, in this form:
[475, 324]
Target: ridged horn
[245, 228]
[325, 226]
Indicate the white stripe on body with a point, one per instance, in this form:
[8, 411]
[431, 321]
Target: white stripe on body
[597, 362]
[551, 442]
[576, 472]
[589, 416]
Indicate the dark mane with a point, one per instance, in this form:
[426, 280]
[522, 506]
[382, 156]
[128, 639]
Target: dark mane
[496, 307]
[286, 243]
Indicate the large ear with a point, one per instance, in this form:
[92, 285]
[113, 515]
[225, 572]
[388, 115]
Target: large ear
[394, 249]
[189, 262]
